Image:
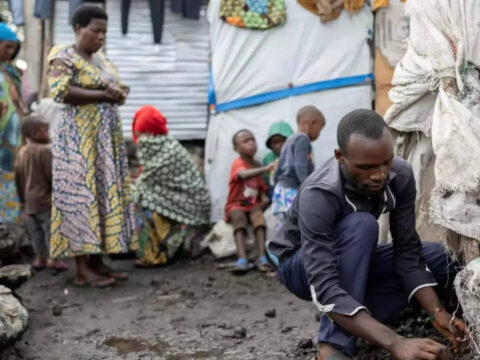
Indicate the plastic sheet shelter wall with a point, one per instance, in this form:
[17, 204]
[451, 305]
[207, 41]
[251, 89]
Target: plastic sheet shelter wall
[301, 52]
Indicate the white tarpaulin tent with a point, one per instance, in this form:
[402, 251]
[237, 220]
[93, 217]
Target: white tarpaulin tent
[299, 53]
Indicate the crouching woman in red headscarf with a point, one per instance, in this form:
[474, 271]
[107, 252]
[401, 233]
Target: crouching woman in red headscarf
[170, 191]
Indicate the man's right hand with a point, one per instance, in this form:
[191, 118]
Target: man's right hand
[419, 349]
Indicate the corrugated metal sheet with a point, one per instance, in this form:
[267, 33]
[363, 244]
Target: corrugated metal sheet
[172, 76]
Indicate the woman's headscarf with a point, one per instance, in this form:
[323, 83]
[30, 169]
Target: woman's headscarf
[148, 120]
[6, 33]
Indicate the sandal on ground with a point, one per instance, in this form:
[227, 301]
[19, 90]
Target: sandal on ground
[263, 264]
[117, 275]
[141, 264]
[39, 265]
[338, 356]
[57, 265]
[113, 274]
[99, 283]
[241, 267]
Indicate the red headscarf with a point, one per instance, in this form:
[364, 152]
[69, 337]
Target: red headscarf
[148, 120]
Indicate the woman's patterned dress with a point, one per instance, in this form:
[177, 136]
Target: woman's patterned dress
[92, 211]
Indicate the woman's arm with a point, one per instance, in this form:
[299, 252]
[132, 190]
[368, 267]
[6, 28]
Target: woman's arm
[79, 96]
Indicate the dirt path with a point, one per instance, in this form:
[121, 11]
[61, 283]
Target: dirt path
[189, 310]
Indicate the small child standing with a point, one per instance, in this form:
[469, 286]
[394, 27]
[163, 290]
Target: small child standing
[33, 178]
[247, 199]
[295, 163]
[277, 136]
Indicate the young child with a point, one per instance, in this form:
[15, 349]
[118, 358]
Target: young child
[33, 178]
[247, 199]
[295, 163]
[277, 136]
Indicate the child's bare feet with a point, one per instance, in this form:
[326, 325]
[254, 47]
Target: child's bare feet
[40, 262]
[57, 265]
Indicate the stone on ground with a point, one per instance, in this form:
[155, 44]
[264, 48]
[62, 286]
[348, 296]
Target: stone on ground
[13, 276]
[13, 318]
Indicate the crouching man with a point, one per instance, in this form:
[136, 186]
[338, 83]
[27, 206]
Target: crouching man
[327, 250]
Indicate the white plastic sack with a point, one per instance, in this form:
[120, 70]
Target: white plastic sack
[221, 241]
[443, 59]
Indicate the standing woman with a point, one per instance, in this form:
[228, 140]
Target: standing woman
[12, 108]
[92, 212]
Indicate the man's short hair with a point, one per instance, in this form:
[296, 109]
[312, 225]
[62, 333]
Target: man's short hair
[30, 125]
[363, 122]
[234, 137]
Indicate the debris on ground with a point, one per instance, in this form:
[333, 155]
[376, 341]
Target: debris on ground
[305, 344]
[239, 333]
[57, 310]
[271, 313]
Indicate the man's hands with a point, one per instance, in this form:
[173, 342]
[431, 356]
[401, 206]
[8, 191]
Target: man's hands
[453, 329]
[419, 349]
[449, 326]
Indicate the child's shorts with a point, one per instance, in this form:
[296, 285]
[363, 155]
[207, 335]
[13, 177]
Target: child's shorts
[240, 219]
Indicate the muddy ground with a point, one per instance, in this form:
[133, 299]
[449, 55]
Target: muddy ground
[188, 310]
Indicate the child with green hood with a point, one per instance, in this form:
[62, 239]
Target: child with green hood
[277, 136]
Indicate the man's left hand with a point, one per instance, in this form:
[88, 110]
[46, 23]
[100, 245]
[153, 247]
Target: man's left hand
[453, 329]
